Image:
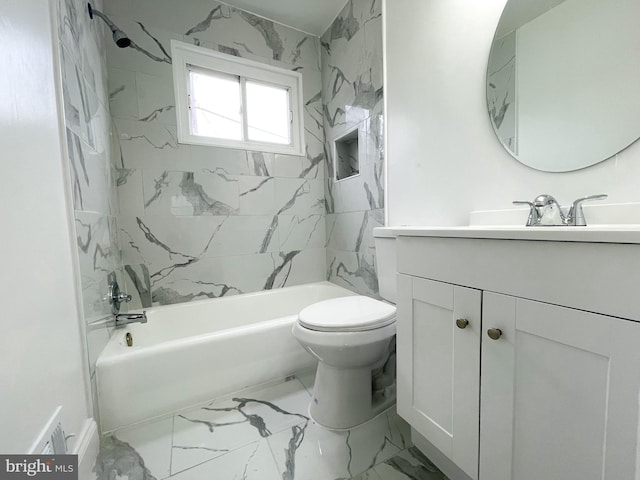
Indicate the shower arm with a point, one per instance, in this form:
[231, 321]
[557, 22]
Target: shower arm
[119, 36]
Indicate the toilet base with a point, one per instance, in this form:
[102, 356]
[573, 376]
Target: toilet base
[343, 398]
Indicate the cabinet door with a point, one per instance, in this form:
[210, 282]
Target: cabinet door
[439, 366]
[559, 396]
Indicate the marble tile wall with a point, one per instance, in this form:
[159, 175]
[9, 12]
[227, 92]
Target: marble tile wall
[198, 221]
[81, 42]
[352, 95]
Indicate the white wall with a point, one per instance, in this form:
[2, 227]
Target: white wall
[41, 344]
[443, 158]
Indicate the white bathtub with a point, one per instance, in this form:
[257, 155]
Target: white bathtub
[189, 353]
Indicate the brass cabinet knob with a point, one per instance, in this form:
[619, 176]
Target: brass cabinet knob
[462, 322]
[494, 333]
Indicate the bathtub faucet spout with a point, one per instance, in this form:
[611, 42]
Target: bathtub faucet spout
[127, 318]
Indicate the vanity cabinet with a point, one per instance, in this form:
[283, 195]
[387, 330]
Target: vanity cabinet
[559, 392]
[438, 355]
[554, 391]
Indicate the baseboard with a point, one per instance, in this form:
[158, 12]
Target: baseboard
[87, 447]
[447, 467]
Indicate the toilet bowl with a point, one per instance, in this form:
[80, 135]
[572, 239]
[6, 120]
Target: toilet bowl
[353, 339]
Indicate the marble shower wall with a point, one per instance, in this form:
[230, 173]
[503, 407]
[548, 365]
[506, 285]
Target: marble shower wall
[86, 114]
[198, 221]
[352, 96]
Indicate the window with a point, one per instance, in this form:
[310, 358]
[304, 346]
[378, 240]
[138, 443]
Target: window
[233, 102]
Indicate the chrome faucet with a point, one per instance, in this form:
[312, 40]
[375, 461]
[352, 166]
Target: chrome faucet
[115, 297]
[123, 319]
[545, 210]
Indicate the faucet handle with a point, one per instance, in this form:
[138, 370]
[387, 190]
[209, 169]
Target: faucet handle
[534, 216]
[115, 297]
[124, 297]
[576, 214]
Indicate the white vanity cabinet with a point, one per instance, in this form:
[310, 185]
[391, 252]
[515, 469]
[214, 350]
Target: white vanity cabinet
[438, 354]
[555, 391]
[559, 393]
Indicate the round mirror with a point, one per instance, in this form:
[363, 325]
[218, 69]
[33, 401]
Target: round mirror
[563, 81]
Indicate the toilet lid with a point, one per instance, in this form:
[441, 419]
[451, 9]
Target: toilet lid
[347, 314]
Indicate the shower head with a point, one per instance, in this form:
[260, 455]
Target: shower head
[119, 36]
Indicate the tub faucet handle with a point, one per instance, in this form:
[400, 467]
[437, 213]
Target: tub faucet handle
[124, 297]
[115, 297]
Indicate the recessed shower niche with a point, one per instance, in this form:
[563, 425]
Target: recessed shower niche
[346, 154]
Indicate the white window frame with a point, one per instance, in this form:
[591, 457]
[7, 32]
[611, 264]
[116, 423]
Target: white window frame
[184, 55]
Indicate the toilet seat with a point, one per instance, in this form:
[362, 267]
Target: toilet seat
[347, 314]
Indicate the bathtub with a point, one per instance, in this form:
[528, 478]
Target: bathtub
[192, 352]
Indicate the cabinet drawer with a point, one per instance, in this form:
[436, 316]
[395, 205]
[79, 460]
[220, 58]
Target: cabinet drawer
[561, 273]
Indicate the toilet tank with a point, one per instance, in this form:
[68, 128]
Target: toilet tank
[385, 243]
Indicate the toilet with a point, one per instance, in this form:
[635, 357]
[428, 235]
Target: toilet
[353, 339]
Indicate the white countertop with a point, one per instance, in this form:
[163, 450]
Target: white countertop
[593, 233]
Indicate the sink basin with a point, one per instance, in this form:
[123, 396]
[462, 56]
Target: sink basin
[628, 233]
[606, 223]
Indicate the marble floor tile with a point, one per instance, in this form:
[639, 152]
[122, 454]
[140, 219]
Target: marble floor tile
[262, 433]
[138, 452]
[410, 464]
[251, 462]
[399, 430]
[310, 452]
[231, 422]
